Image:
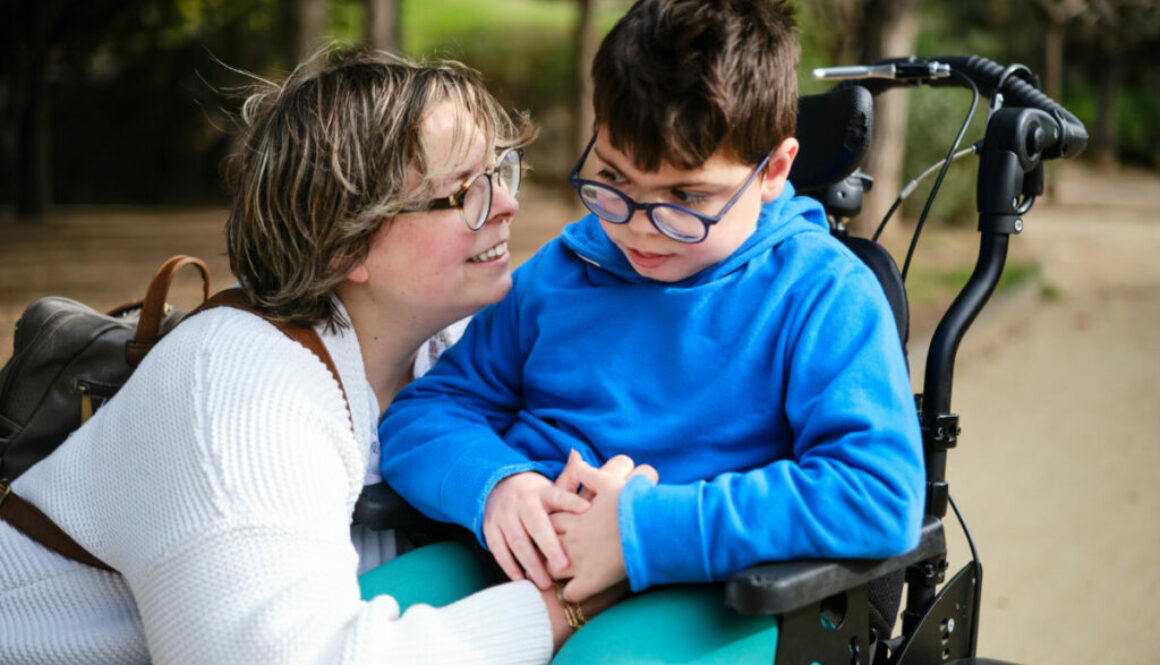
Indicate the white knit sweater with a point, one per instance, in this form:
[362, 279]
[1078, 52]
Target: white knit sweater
[220, 482]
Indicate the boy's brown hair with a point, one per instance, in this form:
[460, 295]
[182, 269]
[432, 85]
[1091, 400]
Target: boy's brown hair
[675, 80]
[322, 164]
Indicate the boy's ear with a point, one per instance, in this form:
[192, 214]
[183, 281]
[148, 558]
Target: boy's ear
[777, 170]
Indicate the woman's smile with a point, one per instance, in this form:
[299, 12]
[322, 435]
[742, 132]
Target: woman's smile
[496, 252]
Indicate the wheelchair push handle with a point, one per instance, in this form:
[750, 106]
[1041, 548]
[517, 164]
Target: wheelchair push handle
[1025, 128]
[992, 79]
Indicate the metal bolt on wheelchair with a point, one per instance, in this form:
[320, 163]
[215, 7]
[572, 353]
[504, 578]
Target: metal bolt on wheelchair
[844, 612]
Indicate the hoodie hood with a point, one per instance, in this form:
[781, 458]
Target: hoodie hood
[785, 216]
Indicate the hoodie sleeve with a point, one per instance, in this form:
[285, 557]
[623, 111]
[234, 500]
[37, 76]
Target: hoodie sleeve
[854, 484]
[441, 447]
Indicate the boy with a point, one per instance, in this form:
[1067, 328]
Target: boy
[701, 321]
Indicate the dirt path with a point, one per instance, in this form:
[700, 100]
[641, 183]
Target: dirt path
[1058, 398]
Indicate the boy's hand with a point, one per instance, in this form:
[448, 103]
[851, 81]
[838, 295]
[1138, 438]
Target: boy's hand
[592, 539]
[517, 530]
[620, 466]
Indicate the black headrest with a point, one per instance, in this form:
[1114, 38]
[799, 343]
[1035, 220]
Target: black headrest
[834, 129]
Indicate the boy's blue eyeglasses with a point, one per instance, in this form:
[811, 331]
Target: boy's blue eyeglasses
[676, 222]
[473, 199]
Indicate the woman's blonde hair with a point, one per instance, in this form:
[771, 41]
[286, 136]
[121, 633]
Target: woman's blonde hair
[323, 163]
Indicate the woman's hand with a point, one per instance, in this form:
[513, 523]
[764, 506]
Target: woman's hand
[518, 531]
[591, 539]
[561, 629]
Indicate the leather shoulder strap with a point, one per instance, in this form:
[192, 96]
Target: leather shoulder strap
[153, 306]
[27, 519]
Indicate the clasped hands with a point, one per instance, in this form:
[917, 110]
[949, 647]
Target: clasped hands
[566, 530]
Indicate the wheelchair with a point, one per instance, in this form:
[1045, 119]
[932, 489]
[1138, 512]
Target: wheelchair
[844, 612]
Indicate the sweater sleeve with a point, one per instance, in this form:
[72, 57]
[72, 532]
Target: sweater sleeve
[320, 619]
[853, 486]
[255, 563]
[441, 437]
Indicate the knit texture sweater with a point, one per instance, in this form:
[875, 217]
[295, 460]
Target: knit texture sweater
[220, 482]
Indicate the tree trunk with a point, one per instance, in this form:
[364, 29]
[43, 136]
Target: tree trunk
[843, 20]
[1053, 59]
[382, 17]
[890, 30]
[307, 23]
[34, 151]
[1058, 14]
[1105, 138]
[585, 38]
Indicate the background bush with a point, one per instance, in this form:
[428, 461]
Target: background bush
[141, 102]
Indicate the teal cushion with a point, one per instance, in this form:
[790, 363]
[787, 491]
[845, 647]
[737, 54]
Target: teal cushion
[669, 625]
[681, 624]
[437, 574]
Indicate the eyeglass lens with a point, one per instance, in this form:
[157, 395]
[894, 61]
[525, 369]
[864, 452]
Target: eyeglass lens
[477, 198]
[612, 205]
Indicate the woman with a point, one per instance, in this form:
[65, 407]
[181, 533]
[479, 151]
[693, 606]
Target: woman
[372, 200]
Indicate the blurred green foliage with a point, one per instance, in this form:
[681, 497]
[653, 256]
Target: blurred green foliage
[142, 90]
[1139, 126]
[523, 47]
[941, 284]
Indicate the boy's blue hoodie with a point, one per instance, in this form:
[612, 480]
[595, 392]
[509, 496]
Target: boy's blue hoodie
[769, 391]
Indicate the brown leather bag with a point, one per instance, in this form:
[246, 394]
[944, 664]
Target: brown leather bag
[69, 358]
